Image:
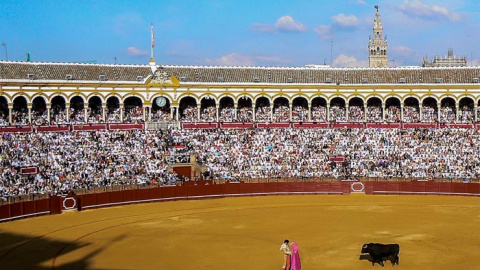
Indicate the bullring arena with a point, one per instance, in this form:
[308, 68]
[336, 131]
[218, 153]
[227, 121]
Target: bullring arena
[434, 232]
[191, 167]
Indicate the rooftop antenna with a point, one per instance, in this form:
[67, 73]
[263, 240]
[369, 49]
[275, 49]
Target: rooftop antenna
[6, 54]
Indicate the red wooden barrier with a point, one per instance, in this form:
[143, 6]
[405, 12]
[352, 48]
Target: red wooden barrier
[472, 188]
[29, 207]
[418, 186]
[5, 211]
[154, 193]
[406, 187]
[432, 187]
[203, 190]
[369, 188]
[393, 187]
[458, 188]
[232, 188]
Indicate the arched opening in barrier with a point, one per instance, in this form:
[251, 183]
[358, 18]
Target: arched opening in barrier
[77, 110]
[39, 111]
[429, 110]
[281, 110]
[20, 111]
[94, 109]
[319, 109]
[300, 109]
[113, 109]
[133, 110]
[262, 109]
[392, 110]
[466, 113]
[161, 110]
[245, 110]
[448, 112]
[374, 110]
[337, 110]
[3, 111]
[227, 110]
[356, 108]
[208, 109]
[188, 109]
[411, 110]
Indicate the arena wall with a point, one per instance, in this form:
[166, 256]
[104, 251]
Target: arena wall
[207, 189]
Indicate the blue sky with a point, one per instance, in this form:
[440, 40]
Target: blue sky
[235, 32]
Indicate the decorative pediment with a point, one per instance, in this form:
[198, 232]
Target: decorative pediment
[161, 77]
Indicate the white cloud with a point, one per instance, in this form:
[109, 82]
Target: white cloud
[417, 9]
[132, 51]
[403, 51]
[283, 24]
[324, 31]
[340, 22]
[349, 61]
[273, 59]
[345, 20]
[288, 24]
[232, 59]
[361, 2]
[238, 59]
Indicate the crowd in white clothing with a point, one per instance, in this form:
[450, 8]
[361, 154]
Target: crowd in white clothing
[81, 159]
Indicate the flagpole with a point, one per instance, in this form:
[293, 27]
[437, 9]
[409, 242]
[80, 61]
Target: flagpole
[153, 40]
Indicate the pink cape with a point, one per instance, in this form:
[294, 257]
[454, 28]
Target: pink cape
[296, 264]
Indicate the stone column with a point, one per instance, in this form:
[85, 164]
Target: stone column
[401, 111]
[121, 113]
[217, 112]
[457, 106]
[235, 108]
[144, 113]
[86, 114]
[290, 106]
[384, 111]
[475, 112]
[439, 110]
[149, 113]
[198, 112]
[177, 113]
[328, 111]
[104, 112]
[365, 111]
[48, 112]
[10, 110]
[347, 112]
[309, 112]
[254, 112]
[29, 107]
[271, 113]
[420, 111]
[67, 115]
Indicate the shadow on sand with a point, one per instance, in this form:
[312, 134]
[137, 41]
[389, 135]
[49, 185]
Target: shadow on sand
[367, 257]
[30, 252]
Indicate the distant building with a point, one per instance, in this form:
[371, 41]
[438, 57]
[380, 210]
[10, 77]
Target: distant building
[377, 46]
[448, 60]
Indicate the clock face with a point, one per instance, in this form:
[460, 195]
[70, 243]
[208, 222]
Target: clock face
[161, 102]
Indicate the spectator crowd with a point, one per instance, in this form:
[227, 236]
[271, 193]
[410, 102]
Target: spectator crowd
[65, 161]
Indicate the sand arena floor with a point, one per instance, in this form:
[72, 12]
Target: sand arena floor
[434, 232]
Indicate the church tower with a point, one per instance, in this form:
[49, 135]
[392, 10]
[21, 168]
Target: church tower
[377, 46]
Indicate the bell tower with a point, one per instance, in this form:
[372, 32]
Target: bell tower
[377, 46]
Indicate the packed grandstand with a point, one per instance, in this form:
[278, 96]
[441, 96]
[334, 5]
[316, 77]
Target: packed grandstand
[69, 126]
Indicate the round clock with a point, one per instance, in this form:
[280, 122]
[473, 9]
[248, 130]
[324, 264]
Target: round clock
[161, 101]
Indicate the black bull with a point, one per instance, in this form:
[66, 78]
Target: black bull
[381, 252]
